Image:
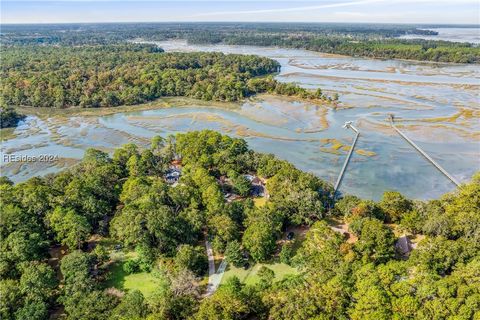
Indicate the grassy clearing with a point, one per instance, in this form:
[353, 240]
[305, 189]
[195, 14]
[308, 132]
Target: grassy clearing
[249, 276]
[145, 282]
[300, 234]
[259, 202]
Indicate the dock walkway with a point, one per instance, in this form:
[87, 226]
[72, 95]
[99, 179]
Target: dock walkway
[423, 153]
[347, 125]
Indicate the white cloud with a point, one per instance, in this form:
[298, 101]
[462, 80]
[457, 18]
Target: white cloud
[291, 9]
[386, 11]
[361, 10]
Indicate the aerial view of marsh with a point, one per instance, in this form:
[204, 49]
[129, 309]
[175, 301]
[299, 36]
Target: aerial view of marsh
[240, 159]
[435, 104]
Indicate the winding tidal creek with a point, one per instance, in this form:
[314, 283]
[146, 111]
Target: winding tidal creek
[436, 105]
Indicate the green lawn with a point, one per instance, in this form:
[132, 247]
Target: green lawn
[250, 276]
[146, 282]
[259, 202]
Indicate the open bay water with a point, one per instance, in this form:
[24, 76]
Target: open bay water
[471, 35]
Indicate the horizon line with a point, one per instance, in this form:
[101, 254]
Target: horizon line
[240, 21]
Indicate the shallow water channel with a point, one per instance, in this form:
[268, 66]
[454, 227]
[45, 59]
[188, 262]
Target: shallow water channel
[437, 106]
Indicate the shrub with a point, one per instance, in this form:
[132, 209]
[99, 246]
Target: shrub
[131, 266]
[233, 253]
[286, 253]
[146, 257]
[192, 258]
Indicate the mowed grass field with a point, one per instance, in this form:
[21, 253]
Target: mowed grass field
[145, 282]
[249, 276]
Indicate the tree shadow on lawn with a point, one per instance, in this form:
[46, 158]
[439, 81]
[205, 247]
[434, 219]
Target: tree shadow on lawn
[116, 275]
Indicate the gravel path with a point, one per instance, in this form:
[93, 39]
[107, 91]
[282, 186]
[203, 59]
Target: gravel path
[214, 278]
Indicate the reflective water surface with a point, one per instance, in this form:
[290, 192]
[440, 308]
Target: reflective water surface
[437, 106]
[471, 35]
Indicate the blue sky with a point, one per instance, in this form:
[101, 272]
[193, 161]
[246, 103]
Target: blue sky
[384, 11]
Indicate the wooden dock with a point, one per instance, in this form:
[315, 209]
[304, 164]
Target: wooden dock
[423, 153]
[347, 125]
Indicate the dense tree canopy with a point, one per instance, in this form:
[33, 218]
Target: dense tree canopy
[127, 74]
[367, 40]
[106, 76]
[163, 227]
[440, 51]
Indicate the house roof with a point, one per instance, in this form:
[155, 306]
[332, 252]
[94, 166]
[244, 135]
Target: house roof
[403, 245]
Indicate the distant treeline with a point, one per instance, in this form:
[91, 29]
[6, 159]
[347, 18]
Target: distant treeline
[127, 74]
[415, 49]
[98, 33]
[363, 40]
